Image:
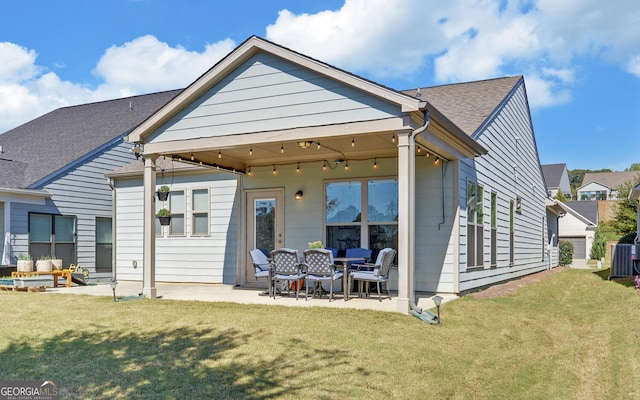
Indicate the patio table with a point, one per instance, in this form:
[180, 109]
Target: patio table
[345, 266]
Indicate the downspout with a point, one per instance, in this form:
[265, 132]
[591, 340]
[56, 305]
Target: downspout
[412, 209]
[114, 248]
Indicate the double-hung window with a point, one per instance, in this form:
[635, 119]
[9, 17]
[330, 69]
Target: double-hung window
[475, 225]
[177, 207]
[200, 212]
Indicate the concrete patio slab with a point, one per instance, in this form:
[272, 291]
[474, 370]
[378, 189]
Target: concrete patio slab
[242, 295]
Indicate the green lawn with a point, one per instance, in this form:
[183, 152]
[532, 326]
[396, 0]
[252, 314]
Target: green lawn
[574, 335]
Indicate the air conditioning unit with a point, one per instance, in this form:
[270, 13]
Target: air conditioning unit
[624, 260]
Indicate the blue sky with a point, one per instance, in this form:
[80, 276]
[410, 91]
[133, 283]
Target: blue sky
[580, 58]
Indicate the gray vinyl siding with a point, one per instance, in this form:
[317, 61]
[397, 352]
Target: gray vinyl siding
[268, 93]
[2, 230]
[511, 169]
[205, 259]
[434, 246]
[82, 192]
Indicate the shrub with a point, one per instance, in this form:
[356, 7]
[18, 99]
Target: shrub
[599, 246]
[566, 252]
[628, 238]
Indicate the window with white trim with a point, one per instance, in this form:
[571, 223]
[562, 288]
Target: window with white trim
[177, 207]
[362, 213]
[200, 212]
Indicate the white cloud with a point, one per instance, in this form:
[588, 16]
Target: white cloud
[545, 92]
[143, 65]
[634, 66]
[17, 63]
[146, 64]
[469, 39]
[380, 37]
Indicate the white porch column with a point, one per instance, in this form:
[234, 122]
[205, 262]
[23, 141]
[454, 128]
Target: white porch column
[406, 220]
[149, 271]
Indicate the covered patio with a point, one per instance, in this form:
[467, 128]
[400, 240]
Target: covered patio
[285, 126]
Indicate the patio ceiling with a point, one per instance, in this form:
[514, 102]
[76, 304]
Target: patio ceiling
[242, 156]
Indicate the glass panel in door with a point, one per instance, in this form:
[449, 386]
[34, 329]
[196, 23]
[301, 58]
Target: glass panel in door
[264, 217]
[265, 224]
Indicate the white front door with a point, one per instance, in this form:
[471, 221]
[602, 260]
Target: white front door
[265, 223]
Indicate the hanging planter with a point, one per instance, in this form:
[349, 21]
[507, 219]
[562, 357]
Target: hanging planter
[163, 193]
[164, 216]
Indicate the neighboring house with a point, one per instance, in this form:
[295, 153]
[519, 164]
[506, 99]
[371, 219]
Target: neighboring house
[556, 178]
[604, 185]
[578, 226]
[288, 150]
[54, 198]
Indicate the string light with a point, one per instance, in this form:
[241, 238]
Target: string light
[298, 168]
[250, 151]
[318, 145]
[375, 163]
[282, 149]
[419, 149]
[192, 158]
[324, 166]
[428, 154]
[393, 138]
[346, 166]
[353, 142]
[249, 172]
[219, 154]
[436, 161]
[274, 170]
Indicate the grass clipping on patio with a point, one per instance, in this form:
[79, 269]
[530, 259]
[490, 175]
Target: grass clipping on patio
[573, 335]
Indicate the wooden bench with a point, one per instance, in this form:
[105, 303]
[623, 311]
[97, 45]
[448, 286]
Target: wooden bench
[65, 273]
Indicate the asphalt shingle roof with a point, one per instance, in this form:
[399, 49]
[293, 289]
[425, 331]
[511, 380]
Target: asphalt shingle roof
[46, 144]
[553, 174]
[588, 209]
[468, 104]
[610, 179]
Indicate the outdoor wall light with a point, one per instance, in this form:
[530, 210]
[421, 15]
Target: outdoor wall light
[299, 195]
[304, 144]
[113, 285]
[136, 150]
[438, 301]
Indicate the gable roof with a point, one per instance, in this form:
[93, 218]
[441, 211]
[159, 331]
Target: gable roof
[244, 52]
[469, 104]
[553, 174]
[610, 180]
[40, 147]
[587, 209]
